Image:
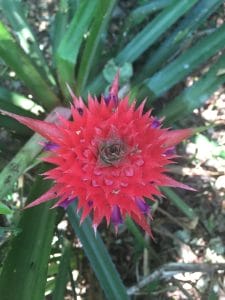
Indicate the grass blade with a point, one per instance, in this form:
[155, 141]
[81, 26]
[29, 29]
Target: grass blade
[25, 69]
[25, 267]
[13, 10]
[186, 63]
[98, 256]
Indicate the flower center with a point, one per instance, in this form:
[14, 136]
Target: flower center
[111, 152]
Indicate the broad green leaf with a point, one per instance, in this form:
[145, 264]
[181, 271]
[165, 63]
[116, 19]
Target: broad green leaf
[180, 38]
[4, 210]
[146, 38]
[14, 12]
[24, 271]
[196, 95]
[98, 256]
[103, 11]
[69, 47]
[16, 59]
[186, 63]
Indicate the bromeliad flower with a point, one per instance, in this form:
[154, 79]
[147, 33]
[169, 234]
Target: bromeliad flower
[109, 158]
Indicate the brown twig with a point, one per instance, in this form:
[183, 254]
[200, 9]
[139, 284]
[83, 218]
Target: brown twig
[169, 270]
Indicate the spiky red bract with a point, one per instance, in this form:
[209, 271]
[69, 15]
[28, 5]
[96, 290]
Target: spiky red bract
[108, 158]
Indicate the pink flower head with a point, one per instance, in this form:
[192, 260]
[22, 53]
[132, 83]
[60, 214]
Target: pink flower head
[108, 158]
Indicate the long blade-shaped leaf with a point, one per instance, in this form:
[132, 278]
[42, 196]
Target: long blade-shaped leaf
[179, 203]
[70, 45]
[63, 274]
[13, 10]
[154, 30]
[147, 37]
[14, 57]
[21, 102]
[141, 12]
[176, 40]
[98, 256]
[25, 269]
[186, 63]
[59, 26]
[103, 11]
[196, 95]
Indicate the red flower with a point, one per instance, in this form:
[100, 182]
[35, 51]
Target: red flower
[108, 158]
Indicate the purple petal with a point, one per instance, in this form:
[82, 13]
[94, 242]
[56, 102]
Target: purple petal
[112, 98]
[107, 99]
[116, 217]
[155, 123]
[67, 202]
[90, 203]
[142, 205]
[80, 110]
[170, 151]
[49, 146]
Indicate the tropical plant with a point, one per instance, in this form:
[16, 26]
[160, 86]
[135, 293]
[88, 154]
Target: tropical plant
[156, 47]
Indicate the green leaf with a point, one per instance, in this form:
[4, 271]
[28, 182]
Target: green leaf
[180, 38]
[7, 100]
[69, 47]
[13, 126]
[154, 30]
[196, 95]
[22, 160]
[16, 59]
[146, 38]
[59, 26]
[21, 104]
[186, 63]
[132, 227]
[14, 12]
[143, 11]
[103, 11]
[179, 203]
[4, 210]
[18, 164]
[98, 256]
[24, 272]
[110, 70]
[63, 274]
